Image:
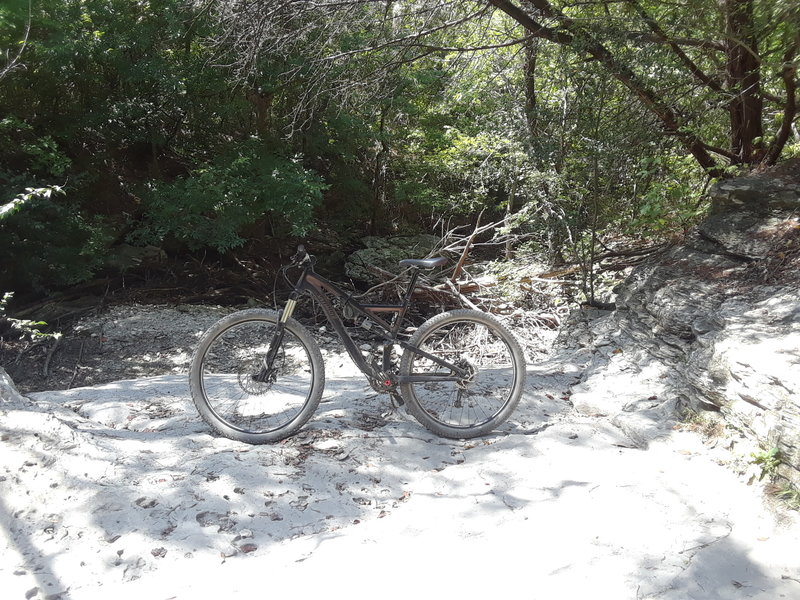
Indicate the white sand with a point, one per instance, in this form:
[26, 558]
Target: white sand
[120, 491]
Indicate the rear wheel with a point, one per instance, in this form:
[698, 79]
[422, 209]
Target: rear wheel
[235, 391]
[487, 391]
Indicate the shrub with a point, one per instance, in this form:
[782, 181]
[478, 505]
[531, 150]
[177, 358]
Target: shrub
[46, 242]
[213, 206]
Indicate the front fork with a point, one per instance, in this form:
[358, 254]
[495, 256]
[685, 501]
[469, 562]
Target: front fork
[265, 373]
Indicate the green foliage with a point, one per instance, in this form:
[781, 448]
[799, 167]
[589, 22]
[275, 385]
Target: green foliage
[124, 105]
[30, 194]
[212, 206]
[790, 495]
[20, 328]
[769, 461]
[112, 92]
[47, 243]
[671, 197]
[21, 147]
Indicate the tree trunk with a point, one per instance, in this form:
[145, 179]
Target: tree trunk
[262, 104]
[509, 213]
[744, 81]
[379, 177]
[531, 51]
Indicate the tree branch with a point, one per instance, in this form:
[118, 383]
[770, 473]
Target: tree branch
[14, 62]
[400, 41]
[789, 113]
[581, 40]
[529, 23]
[722, 152]
[514, 42]
[653, 38]
[682, 56]
[462, 259]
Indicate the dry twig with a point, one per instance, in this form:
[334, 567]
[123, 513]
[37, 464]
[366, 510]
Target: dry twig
[77, 365]
[49, 356]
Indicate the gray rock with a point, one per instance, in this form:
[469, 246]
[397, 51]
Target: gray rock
[760, 193]
[386, 253]
[698, 327]
[744, 234]
[9, 395]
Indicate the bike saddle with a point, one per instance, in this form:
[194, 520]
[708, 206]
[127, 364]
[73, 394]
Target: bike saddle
[424, 263]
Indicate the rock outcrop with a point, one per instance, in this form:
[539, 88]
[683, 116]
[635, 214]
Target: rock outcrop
[381, 256]
[711, 323]
[9, 396]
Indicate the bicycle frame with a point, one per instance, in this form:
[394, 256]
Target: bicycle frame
[319, 288]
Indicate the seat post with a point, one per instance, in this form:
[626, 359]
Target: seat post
[411, 284]
[406, 300]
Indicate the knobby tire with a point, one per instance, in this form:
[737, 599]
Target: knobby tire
[224, 371]
[480, 344]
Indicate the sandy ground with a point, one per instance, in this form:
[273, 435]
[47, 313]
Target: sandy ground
[120, 490]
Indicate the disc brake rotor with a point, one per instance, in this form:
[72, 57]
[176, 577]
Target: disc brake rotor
[251, 383]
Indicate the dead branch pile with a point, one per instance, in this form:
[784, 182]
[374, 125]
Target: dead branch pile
[530, 297]
[513, 289]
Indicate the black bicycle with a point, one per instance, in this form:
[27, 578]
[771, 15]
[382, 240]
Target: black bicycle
[258, 375]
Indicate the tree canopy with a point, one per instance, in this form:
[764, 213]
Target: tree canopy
[220, 124]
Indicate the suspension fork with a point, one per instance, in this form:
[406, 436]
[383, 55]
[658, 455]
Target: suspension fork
[277, 339]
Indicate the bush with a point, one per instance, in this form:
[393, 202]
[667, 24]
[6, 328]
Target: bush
[213, 206]
[12, 329]
[47, 243]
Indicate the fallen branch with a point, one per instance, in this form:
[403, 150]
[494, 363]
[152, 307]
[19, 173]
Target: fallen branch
[547, 320]
[620, 265]
[456, 246]
[531, 279]
[461, 296]
[425, 290]
[462, 259]
[464, 288]
[77, 365]
[631, 252]
[634, 257]
[600, 305]
[549, 275]
[50, 353]
[382, 273]
[25, 349]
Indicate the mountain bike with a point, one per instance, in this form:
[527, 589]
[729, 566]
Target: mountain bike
[257, 375]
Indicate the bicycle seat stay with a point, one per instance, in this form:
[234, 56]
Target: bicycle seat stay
[424, 263]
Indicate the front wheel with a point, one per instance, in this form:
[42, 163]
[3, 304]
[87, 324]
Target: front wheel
[239, 394]
[489, 386]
